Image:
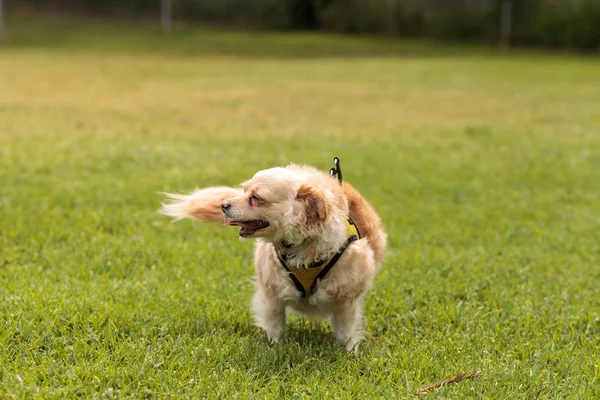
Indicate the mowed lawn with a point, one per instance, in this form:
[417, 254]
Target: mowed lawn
[484, 166]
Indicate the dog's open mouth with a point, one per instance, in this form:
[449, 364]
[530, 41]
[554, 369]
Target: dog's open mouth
[249, 228]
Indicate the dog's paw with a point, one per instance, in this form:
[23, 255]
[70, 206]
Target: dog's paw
[350, 340]
[274, 337]
[275, 333]
[352, 345]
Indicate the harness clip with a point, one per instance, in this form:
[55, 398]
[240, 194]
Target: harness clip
[337, 170]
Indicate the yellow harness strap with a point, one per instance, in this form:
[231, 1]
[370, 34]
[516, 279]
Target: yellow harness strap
[306, 278]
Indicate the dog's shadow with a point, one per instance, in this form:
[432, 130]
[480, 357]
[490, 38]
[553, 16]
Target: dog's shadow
[308, 347]
[309, 332]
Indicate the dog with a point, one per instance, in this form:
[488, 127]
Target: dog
[319, 244]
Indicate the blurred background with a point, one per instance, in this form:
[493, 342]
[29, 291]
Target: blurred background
[571, 24]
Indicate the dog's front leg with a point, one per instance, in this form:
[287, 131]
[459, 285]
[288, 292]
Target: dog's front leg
[270, 315]
[346, 323]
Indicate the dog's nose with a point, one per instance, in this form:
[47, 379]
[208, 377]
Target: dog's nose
[225, 205]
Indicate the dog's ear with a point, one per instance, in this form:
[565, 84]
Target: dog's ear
[202, 205]
[316, 207]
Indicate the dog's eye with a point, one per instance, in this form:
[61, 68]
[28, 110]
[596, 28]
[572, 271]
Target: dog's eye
[254, 197]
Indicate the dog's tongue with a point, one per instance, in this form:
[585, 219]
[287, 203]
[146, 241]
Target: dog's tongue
[238, 223]
[249, 228]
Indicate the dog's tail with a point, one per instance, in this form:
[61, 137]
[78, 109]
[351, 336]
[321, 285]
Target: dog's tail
[202, 205]
[368, 222]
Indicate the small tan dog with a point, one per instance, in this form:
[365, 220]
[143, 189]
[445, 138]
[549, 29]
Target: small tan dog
[319, 247]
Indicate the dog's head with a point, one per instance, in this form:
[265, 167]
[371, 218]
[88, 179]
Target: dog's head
[285, 204]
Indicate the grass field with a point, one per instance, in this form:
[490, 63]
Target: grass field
[484, 166]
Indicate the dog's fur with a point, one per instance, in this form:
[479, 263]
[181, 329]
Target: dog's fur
[306, 209]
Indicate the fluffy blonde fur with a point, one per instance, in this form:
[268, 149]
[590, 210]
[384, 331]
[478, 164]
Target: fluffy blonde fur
[306, 209]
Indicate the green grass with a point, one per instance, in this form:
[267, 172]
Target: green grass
[485, 168]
